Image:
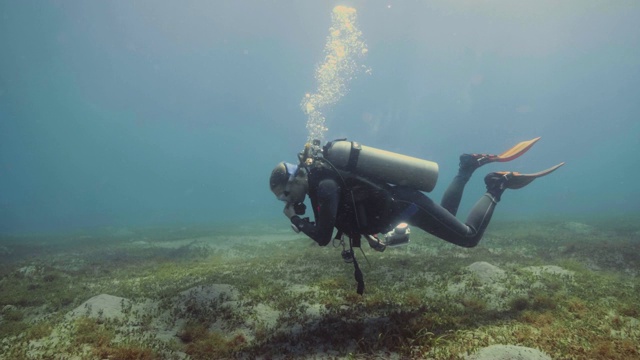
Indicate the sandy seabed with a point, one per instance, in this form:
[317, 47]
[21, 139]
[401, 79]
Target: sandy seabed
[530, 290]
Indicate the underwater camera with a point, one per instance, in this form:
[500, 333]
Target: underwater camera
[398, 236]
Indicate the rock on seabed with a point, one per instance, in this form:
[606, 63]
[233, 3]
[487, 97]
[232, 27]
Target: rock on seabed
[508, 352]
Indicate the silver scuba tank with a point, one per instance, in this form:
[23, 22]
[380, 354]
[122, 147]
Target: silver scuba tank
[384, 165]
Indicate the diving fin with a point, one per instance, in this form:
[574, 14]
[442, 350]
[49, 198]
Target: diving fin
[474, 161]
[517, 150]
[516, 180]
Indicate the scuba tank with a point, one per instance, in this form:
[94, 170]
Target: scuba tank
[392, 168]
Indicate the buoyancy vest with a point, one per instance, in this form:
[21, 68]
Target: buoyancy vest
[364, 206]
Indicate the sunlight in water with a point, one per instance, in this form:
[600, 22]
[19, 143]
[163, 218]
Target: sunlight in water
[343, 48]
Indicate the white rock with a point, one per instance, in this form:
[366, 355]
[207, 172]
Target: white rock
[486, 272]
[101, 306]
[266, 315]
[549, 269]
[578, 228]
[508, 352]
[28, 271]
[5, 250]
[9, 308]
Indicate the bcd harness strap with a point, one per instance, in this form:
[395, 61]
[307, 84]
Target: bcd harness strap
[353, 156]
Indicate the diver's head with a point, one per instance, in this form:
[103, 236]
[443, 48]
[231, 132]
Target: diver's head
[289, 183]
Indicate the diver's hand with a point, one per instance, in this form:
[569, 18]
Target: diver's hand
[289, 210]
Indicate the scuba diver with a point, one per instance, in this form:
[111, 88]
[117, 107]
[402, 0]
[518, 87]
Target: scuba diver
[362, 192]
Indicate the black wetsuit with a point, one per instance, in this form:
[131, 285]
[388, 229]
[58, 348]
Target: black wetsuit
[363, 207]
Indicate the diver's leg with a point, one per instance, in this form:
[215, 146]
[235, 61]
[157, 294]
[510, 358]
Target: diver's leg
[497, 183]
[480, 215]
[452, 196]
[417, 209]
[469, 163]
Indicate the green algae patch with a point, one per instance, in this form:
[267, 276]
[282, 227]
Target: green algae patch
[566, 289]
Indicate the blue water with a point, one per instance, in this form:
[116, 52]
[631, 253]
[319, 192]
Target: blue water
[121, 113]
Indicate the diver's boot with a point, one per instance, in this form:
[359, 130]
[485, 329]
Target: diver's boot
[498, 182]
[470, 162]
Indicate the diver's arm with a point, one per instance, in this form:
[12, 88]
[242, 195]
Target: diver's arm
[328, 198]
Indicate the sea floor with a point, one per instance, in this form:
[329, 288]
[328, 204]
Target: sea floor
[566, 289]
